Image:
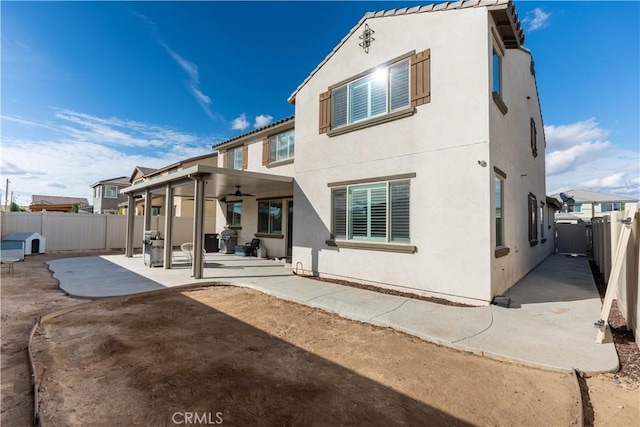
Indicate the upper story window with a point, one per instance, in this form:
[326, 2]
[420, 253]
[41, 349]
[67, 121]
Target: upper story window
[612, 207]
[279, 147]
[575, 208]
[534, 137]
[110, 191]
[497, 72]
[378, 95]
[497, 80]
[382, 91]
[236, 158]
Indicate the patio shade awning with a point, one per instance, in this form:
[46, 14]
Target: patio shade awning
[218, 182]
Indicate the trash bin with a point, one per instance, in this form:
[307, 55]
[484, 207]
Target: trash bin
[211, 242]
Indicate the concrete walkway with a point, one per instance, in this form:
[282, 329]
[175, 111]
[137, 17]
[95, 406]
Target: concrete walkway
[550, 323]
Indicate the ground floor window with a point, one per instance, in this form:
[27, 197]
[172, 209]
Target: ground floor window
[270, 217]
[533, 219]
[376, 212]
[234, 214]
[542, 220]
[499, 213]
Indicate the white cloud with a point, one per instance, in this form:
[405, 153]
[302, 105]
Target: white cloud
[536, 19]
[240, 122]
[262, 120]
[581, 156]
[80, 149]
[567, 160]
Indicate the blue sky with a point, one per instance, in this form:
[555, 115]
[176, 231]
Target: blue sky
[89, 90]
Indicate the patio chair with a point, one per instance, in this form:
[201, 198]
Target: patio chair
[251, 248]
[187, 249]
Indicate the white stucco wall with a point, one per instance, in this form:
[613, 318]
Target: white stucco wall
[442, 143]
[511, 152]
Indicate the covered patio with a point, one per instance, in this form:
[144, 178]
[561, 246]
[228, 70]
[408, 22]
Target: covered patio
[200, 183]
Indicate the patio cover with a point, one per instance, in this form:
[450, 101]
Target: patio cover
[200, 182]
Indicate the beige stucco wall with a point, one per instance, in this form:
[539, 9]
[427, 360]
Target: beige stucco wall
[442, 144]
[511, 152]
[276, 247]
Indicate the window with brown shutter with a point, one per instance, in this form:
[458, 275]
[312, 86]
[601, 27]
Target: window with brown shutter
[534, 138]
[265, 151]
[325, 112]
[245, 156]
[225, 159]
[421, 78]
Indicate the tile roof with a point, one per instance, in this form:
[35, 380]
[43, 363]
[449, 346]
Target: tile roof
[146, 171]
[37, 199]
[586, 196]
[235, 138]
[465, 4]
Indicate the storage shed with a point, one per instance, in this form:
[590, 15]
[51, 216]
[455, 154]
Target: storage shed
[34, 243]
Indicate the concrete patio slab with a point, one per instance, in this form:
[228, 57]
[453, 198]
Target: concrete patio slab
[550, 323]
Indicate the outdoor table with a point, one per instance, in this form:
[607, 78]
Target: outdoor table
[9, 263]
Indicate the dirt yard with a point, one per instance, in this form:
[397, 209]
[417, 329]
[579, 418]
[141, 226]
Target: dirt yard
[238, 357]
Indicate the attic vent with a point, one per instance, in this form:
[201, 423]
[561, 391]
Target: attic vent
[367, 38]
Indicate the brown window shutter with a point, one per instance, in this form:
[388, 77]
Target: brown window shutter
[245, 156]
[421, 78]
[325, 112]
[265, 151]
[225, 159]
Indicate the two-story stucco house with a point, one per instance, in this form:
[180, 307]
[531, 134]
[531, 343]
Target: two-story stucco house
[585, 204]
[106, 195]
[420, 154]
[416, 160]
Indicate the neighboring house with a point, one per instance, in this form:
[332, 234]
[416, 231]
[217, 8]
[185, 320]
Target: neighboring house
[106, 195]
[416, 160]
[585, 204]
[181, 206]
[58, 204]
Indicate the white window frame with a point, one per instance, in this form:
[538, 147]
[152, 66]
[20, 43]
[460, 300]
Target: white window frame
[106, 192]
[235, 158]
[275, 142]
[613, 206]
[388, 238]
[380, 72]
[501, 180]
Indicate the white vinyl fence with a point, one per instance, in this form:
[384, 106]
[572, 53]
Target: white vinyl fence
[606, 235]
[68, 231]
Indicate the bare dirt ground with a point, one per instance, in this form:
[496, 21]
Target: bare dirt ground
[240, 357]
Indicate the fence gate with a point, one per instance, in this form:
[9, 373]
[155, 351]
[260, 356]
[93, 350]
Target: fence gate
[573, 238]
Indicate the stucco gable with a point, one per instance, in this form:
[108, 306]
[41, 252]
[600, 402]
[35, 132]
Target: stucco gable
[506, 5]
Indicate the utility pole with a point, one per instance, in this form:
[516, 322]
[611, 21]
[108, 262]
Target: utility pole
[6, 194]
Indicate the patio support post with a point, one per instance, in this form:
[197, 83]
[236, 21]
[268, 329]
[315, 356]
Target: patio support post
[168, 224]
[131, 223]
[147, 211]
[198, 226]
